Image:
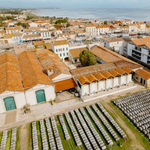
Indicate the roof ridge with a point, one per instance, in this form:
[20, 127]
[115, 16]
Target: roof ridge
[31, 64]
[6, 71]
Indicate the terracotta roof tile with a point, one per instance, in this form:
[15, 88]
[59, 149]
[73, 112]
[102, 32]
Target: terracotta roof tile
[60, 42]
[31, 70]
[10, 79]
[107, 74]
[83, 80]
[143, 73]
[65, 84]
[121, 71]
[142, 42]
[99, 76]
[75, 52]
[50, 59]
[114, 73]
[91, 78]
[126, 69]
[112, 39]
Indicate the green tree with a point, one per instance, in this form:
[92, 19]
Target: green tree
[9, 17]
[61, 21]
[105, 22]
[113, 49]
[19, 24]
[68, 24]
[57, 26]
[87, 58]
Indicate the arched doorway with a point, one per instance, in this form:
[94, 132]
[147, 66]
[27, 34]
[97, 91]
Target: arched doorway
[40, 96]
[9, 103]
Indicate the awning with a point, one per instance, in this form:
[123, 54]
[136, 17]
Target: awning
[64, 85]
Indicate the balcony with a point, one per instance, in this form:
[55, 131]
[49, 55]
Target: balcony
[137, 51]
[136, 56]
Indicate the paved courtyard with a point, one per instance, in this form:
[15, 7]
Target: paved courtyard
[18, 117]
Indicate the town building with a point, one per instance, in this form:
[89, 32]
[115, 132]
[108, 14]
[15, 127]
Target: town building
[56, 70]
[142, 76]
[20, 48]
[113, 72]
[113, 43]
[139, 49]
[61, 48]
[74, 54]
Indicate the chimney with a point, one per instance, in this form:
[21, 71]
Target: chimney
[49, 71]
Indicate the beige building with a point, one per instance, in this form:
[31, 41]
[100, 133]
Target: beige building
[12, 30]
[133, 28]
[143, 77]
[142, 27]
[113, 43]
[20, 48]
[68, 35]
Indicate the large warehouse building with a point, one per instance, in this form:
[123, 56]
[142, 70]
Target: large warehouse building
[28, 78]
[113, 71]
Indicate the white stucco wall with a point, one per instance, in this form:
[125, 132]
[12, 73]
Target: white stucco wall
[108, 83]
[18, 97]
[101, 85]
[49, 93]
[129, 78]
[123, 79]
[116, 82]
[93, 87]
[84, 89]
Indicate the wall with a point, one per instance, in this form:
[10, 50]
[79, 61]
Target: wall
[116, 82]
[93, 87]
[49, 93]
[84, 89]
[101, 85]
[108, 83]
[18, 97]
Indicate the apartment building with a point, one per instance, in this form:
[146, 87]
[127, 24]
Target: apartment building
[91, 30]
[113, 43]
[139, 49]
[96, 30]
[133, 28]
[142, 27]
[102, 29]
[12, 30]
[61, 48]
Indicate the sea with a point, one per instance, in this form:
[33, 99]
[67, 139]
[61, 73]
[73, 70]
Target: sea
[138, 14]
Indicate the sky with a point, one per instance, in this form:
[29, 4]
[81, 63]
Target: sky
[77, 3]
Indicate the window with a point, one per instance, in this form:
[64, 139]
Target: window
[56, 50]
[136, 77]
[63, 49]
[60, 54]
[67, 53]
[66, 48]
[63, 54]
[62, 59]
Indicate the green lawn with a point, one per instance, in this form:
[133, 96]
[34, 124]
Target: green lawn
[71, 136]
[39, 135]
[30, 137]
[8, 140]
[1, 136]
[17, 139]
